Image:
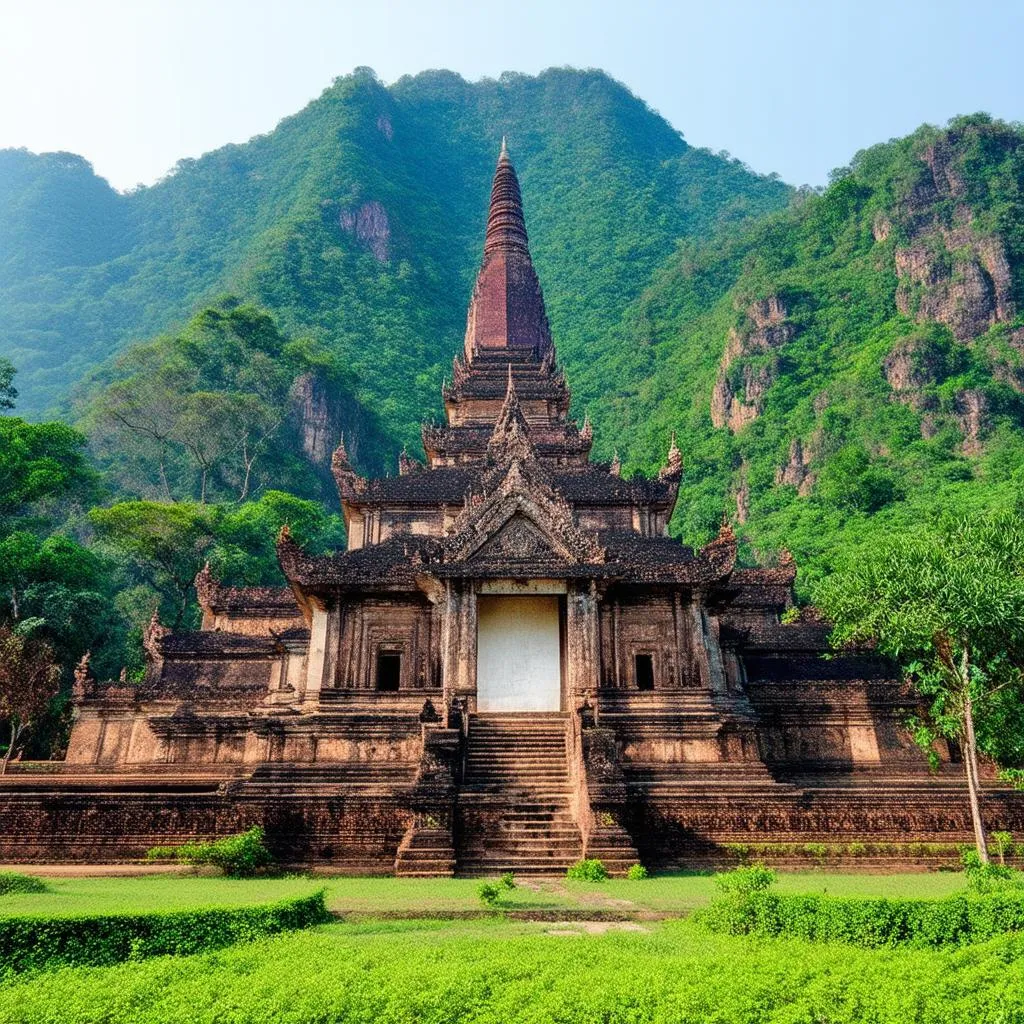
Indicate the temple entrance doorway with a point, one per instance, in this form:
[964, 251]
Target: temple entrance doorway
[519, 658]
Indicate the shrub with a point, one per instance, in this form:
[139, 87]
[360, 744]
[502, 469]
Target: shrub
[489, 893]
[856, 849]
[162, 853]
[819, 851]
[637, 872]
[13, 882]
[956, 920]
[239, 856]
[1002, 843]
[32, 943]
[985, 878]
[746, 880]
[587, 871]
[507, 880]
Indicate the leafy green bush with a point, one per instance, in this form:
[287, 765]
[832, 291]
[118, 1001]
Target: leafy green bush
[955, 920]
[591, 870]
[14, 882]
[986, 878]
[489, 893]
[507, 880]
[32, 943]
[637, 872]
[745, 880]
[239, 856]
[1002, 844]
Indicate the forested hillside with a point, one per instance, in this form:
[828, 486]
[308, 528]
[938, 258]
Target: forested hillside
[845, 367]
[358, 222]
[836, 365]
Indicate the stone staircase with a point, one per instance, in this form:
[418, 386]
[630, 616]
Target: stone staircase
[514, 810]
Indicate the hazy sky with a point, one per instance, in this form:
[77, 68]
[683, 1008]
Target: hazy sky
[786, 85]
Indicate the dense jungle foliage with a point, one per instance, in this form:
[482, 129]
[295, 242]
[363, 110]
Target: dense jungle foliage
[838, 365]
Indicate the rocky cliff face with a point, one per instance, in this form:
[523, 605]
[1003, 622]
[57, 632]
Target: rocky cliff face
[797, 470]
[738, 397]
[369, 225]
[951, 271]
[323, 418]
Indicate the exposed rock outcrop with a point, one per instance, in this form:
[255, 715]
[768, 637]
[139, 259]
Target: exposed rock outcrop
[948, 272]
[369, 225]
[910, 368]
[737, 399]
[797, 470]
[322, 419]
[972, 414]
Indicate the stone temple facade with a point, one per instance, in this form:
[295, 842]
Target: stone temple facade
[512, 666]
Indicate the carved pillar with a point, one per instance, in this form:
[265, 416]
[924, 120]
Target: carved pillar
[458, 641]
[583, 652]
[323, 650]
[707, 648]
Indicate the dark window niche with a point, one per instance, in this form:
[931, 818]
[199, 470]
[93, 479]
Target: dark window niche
[389, 670]
[643, 665]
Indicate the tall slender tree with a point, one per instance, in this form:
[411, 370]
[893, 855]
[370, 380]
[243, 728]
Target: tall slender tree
[946, 602]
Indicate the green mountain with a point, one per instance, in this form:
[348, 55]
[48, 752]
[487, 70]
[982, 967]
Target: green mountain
[844, 367]
[834, 363]
[358, 222]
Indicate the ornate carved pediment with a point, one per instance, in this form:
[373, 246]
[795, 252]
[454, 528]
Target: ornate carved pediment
[524, 520]
[520, 540]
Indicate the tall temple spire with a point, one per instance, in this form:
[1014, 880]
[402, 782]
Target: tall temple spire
[506, 228]
[507, 308]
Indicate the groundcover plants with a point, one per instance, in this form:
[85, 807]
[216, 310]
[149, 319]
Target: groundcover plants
[499, 972]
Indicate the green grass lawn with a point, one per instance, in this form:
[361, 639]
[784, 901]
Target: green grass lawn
[496, 971]
[667, 893]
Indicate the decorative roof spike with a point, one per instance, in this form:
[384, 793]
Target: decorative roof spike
[154, 632]
[348, 480]
[504, 148]
[339, 459]
[587, 431]
[511, 436]
[616, 467]
[725, 531]
[407, 464]
[786, 558]
[674, 464]
[206, 585]
[82, 678]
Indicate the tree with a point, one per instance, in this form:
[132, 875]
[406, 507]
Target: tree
[167, 543]
[8, 392]
[39, 462]
[29, 680]
[946, 602]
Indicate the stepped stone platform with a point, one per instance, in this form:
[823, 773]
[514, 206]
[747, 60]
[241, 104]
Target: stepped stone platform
[511, 666]
[515, 806]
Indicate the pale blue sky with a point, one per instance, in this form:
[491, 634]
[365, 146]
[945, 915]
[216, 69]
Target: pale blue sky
[786, 85]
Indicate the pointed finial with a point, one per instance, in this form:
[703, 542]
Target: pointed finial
[674, 464]
[511, 389]
[616, 467]
[587, 432]
[725, 531]
[504, 148]
[340, 456]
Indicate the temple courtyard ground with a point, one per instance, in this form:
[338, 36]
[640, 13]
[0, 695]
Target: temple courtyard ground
[406, 950]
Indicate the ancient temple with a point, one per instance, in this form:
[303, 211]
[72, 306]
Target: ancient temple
[511, 666]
